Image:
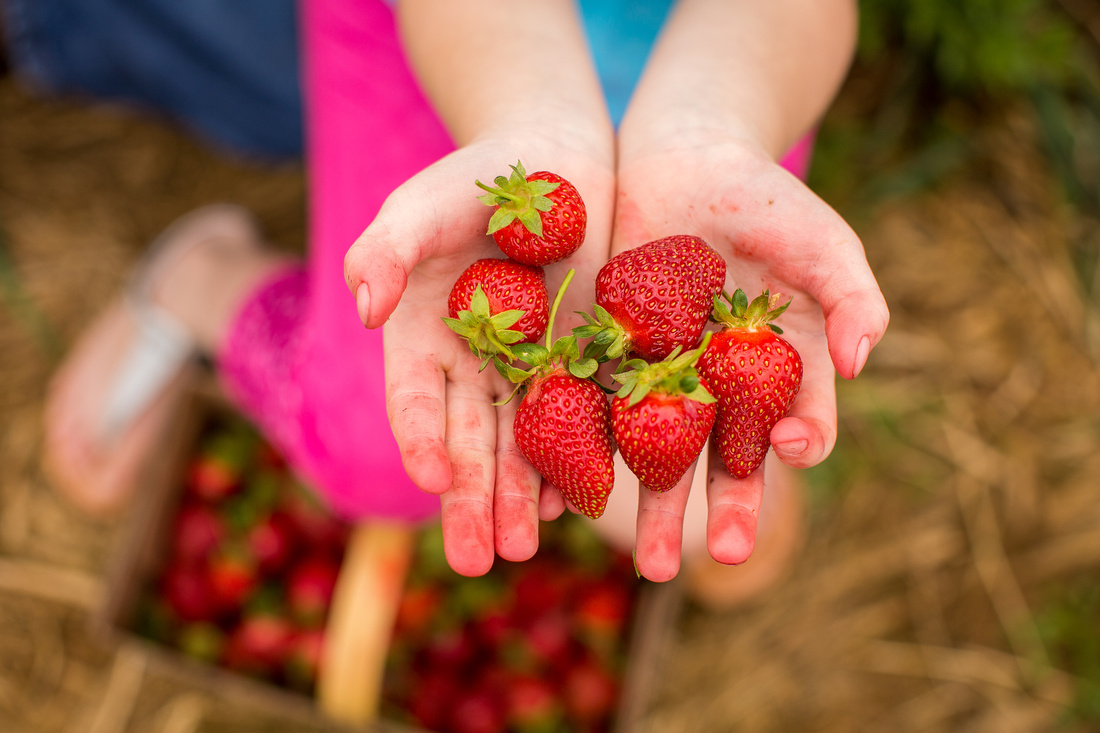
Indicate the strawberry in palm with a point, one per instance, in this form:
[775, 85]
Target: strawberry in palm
[540, 218]
[563, 423]
[755, 374]
[654, 298]
[495, 303]
[661, 417]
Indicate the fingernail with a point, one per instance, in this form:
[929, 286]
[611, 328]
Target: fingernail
[792, 449]
[362, 302]
[862, 352]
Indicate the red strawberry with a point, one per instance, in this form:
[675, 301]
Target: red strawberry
[420, 605]
[479, 711]
[212, 478]
[196, 532]
[590, 692]
[544, 642]
[533, 705]
[303, 657]
[602, 609]
[496, 303]
[271, 540]
[563, 429]
[755, 375]
[188, 592]
[563, 423]
[259, 644]
[433, 697]
[661, 417]
[540, 217]
[309, 588]
[655, 297]
[233, 575]
[451, 647]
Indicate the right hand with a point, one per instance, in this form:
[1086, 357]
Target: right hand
[454, 441]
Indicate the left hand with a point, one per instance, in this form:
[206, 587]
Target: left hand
[777, 234]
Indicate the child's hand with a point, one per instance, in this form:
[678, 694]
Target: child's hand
[454, 441]
[775, 234]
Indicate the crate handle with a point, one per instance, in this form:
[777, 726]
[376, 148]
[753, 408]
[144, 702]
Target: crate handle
[361, 620]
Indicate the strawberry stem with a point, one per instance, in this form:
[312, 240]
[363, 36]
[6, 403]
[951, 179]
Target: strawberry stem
[501, 193]
[554, 308]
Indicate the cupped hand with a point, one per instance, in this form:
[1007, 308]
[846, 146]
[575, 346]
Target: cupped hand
[778, 235]
[454, 439]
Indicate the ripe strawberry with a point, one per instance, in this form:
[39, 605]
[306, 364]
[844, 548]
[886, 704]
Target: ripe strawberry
[540, 217]
[533, 704]
[434, 695]
[563, 428]
[258, 645]
[212, 477]
[233, 575]
[309, 588]
[496, 303]
[271, 540]
[590, 692]
[655, 297]
[302, 661]
[602, 609]
[661, 417]
[420, 605]
[563, 423]
[755, 375]
[479, 711]
[223, 459]
[188, 593]
[196, 532]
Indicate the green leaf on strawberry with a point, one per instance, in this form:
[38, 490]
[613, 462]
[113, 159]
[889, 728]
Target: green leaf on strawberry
[674, 375]
[517, 198]
[662, 415]
[486, 332]
[737, 311]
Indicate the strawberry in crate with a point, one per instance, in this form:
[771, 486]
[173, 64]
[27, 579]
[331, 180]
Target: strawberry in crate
[533, 646]
[251, 563]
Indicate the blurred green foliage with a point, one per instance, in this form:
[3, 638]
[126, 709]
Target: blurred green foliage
[932, 73]
[1067, 620]
[996, 47]
[930, 77]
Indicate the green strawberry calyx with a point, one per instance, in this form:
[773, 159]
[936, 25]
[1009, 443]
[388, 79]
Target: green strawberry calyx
[517, 198]
[563, 352]
[675, 375]
[609, 339]
[488, 334]
[736, 311]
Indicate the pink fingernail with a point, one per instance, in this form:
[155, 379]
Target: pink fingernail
[792, 449]
[862, 352]
[362, 302]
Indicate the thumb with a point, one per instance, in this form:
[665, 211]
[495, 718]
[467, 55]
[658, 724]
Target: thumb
[409, 228]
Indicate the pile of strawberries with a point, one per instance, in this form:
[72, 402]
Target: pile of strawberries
[251, 565]
[528, 648]
[678, 384]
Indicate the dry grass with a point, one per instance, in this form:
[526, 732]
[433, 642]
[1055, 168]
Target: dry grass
[961, 500]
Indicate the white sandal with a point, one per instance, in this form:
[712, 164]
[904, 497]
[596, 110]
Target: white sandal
[162, 345]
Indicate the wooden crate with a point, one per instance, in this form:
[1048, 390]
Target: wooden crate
[359, 627]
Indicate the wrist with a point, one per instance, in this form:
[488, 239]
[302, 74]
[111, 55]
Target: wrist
[692, 127]
[546, 134]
